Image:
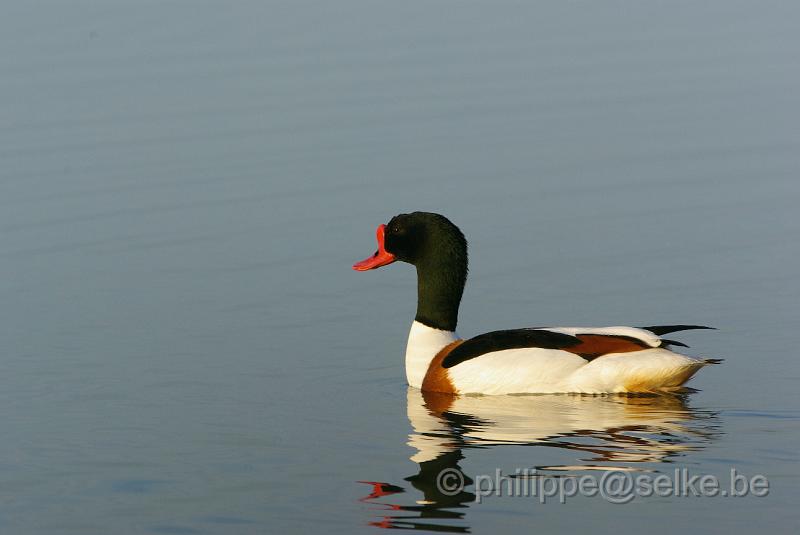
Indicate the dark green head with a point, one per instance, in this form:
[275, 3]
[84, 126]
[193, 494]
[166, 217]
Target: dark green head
[438, 249]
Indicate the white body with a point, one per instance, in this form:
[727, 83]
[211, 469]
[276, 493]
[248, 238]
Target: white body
[546, 371]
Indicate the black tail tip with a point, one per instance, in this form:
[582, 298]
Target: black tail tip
[658, 330]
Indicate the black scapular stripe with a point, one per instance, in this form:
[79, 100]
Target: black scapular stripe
[658, 330]
[510, 339]
[665, 343]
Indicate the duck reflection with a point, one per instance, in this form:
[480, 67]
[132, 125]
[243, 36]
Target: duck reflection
[603, 432]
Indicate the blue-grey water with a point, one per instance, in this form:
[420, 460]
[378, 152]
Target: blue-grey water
[184, 186]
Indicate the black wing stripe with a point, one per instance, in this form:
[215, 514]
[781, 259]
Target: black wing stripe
[510, 339]
[665, 343]
[658, 330]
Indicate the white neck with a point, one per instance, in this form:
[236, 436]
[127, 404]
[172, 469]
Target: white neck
[423, 344]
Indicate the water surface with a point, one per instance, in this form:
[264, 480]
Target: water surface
[184, 188]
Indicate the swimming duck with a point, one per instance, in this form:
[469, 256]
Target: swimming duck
[591, 360]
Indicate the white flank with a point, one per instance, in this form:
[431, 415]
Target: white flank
[548, 371]
[513, 371]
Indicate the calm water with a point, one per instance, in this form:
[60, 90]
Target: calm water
[184, 188]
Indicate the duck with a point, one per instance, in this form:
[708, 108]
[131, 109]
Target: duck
[531, 360]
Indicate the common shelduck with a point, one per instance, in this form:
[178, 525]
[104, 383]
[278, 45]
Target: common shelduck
[592, 360]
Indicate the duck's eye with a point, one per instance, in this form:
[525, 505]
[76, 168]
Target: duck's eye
[395, 229]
